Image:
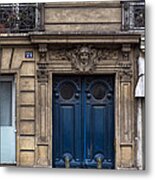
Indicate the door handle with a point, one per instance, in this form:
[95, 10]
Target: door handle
[99, 163]
[99, 159]
[67, 162]
[67, 158]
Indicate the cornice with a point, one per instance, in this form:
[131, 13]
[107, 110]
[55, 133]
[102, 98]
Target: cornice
[68, 37]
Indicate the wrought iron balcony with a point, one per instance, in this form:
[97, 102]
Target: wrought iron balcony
[15, 18]
[133, 15]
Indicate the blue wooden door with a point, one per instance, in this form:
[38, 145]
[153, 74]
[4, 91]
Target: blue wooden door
[83, 121]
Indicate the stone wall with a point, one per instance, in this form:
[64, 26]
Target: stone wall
[100, 16]
[14, 63]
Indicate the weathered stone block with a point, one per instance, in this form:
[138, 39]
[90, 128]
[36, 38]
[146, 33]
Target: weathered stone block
[27, 98]
[27, 83]
[42, 155]
[27, 68]
[126, 156]
[6, 57]
[82, 15]
[26, 143]
[27, 128]
[83, 27]
[27, 112]
[26, 158]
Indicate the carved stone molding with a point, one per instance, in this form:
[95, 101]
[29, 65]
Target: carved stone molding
[42, 75]
[126, 48]
[42, 72]
[83, 58]
[42, 106]
[109, 54]
[43, 51]
[126, 74]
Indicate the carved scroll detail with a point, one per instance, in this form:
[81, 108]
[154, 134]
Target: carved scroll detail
[42, 72]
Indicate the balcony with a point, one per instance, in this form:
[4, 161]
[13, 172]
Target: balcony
[20, 18]
[133, 15]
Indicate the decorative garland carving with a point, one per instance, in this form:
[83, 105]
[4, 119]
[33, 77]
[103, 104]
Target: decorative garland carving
[84, 58]
[109, 54]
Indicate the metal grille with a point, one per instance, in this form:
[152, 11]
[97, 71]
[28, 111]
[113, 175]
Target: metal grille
[133, 15]
[19, 17]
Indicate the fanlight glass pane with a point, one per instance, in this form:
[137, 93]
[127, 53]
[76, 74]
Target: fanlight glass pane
[5, 103]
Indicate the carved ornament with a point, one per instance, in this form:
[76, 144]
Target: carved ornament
[42, 72]
[84, 58]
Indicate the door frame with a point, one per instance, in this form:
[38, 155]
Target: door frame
[116, 107]
[11, 78]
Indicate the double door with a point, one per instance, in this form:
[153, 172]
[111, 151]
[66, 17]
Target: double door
[83, 121]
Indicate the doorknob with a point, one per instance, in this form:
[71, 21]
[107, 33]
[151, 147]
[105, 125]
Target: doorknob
[67, 162]
[67, 158]
[99, 159]
[99, 163]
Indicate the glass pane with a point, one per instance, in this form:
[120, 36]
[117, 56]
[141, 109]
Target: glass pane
[98, 91]
[5, 103]
[67, 91]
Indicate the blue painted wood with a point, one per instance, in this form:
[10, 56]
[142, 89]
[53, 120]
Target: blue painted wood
[83, 125]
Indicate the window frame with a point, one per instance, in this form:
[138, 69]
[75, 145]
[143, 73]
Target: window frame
[5, 78]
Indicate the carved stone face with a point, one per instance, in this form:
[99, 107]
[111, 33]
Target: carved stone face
[84, 55]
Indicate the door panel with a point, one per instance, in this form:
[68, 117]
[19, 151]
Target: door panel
[83, 123]
[98, 102]
[67, 122]
[7, 123]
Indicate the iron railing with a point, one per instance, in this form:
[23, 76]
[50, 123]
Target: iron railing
[133, 15]
[19, 17]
